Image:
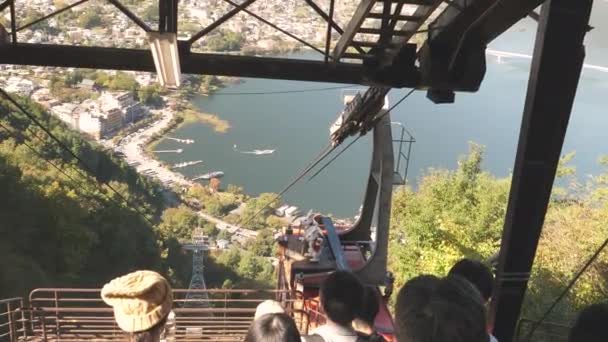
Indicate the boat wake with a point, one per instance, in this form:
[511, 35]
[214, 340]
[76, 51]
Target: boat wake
[254, 152]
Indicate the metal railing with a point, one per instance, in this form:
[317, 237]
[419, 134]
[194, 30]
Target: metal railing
[54, 314]
[404, 153]
[80, 314]
[12, 319]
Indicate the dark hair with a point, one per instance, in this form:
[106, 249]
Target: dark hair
[341, 297]
[371, 306]
[477, 273]
[431, 309]
[150, 334]
[590, 326]
[275, 327]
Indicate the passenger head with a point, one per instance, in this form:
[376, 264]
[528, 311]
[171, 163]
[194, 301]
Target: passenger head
[431, 309]
[590, 326]
[478, 274]
[274, 327]
[142, 301]
[366, 315]
[268, 307]
[341, 297]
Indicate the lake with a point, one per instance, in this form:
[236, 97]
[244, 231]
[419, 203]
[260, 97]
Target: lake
[296, 125]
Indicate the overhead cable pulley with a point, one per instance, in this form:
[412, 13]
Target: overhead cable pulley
[359, 116]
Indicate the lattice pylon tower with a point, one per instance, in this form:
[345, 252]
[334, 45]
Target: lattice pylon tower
[199, 246]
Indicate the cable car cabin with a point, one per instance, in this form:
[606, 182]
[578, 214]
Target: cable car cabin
[309, 251]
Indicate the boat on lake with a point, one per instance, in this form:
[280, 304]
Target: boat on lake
[255, 152]
[209, 175]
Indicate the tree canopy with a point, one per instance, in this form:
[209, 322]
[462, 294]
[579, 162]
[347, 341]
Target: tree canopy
[460, 213]
[67, 229]
[225, 40]
[90, 19]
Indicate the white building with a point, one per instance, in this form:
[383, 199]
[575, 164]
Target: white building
[20, 86]
[145, 79]
[97, 121]
[68, 113]
[91, 124]
[222, 244]
[124, 102]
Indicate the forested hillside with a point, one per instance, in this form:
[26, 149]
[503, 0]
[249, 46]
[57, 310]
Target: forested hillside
[460, 213]
[65, 229]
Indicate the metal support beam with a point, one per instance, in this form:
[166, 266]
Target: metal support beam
[335, 245]
[423, 12]
[13, 23]
[377, 204]
[351, 29]
[276, 27]
[454, 55]
[131, 15]
[220, 21]
[167, 16]
[386, 24]
[197, 63]
[333, 24]
[50, 15]
[5, 4]
[329, 24]
[556, 67]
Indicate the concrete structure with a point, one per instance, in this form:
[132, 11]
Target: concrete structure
[20, 86]
[97, 121]
[222, 244]
[113, 120]
[68, 113]
[87, 84]
[91, 124]
[124, 102]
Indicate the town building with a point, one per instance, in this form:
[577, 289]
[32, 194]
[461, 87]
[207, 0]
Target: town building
[124, 102]
[19, 86]
[222, 244]
[87, 84]
[91, 124]
[68, 113]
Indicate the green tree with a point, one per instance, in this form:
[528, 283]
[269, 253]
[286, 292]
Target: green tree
[452, 215]
[254, 267]
[225, 41]
[210, 229]
[227, 284]
[178, 223]
[275, 222]
[234, 189]
[258, 209]
[122, 81]
[150, 13]
[150, 95]
[263, 244]
[460, 213]
[68, 229]
[73, 78]
[213, 206]
[230, 258]
[223, 235]
[90, 19]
